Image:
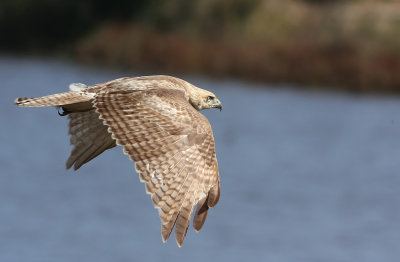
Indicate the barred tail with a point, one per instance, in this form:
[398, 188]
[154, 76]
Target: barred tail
[60, 99]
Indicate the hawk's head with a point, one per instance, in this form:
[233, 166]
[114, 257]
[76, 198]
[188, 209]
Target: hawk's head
[203, 99]
[211, 101]
[199, 98]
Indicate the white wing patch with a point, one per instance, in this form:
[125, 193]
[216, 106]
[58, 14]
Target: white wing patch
[77, 87]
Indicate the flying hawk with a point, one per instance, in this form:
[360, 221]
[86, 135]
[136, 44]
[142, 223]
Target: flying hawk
[156, 121]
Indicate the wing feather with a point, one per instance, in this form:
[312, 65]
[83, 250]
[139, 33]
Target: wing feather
[173, 148]
[89, 136]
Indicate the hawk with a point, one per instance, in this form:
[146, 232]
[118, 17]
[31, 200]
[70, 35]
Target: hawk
[156, 121]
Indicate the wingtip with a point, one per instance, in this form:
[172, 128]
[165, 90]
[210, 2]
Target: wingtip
[69, 163]
[164, 240]
[165, 233]
[179, 242]
[199, 221]
[200, 214]
[213, 195]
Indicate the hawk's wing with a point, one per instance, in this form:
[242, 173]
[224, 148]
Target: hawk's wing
[173, 147]
[89, 136]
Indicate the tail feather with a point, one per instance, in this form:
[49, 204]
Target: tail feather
[60, 99]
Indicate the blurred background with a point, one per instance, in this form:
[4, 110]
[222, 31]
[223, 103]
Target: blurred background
[308, 142]
[352, 45]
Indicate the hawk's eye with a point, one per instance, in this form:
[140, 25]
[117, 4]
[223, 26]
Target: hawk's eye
[209, 98]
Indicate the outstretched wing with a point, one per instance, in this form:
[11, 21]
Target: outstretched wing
[173, 147]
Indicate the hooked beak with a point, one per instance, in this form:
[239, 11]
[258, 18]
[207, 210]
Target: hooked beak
[217, 104]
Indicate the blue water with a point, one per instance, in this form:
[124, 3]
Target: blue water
[305, 176]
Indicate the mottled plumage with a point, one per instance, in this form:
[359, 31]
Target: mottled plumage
[156, 121]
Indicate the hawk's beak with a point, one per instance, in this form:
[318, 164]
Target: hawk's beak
[217, 104]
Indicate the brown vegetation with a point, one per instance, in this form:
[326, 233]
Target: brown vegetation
[349, 45]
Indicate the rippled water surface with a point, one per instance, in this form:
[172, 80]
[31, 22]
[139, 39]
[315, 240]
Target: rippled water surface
[304, 177]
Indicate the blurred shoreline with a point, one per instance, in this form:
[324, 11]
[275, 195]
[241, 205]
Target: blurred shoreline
[344, 45]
